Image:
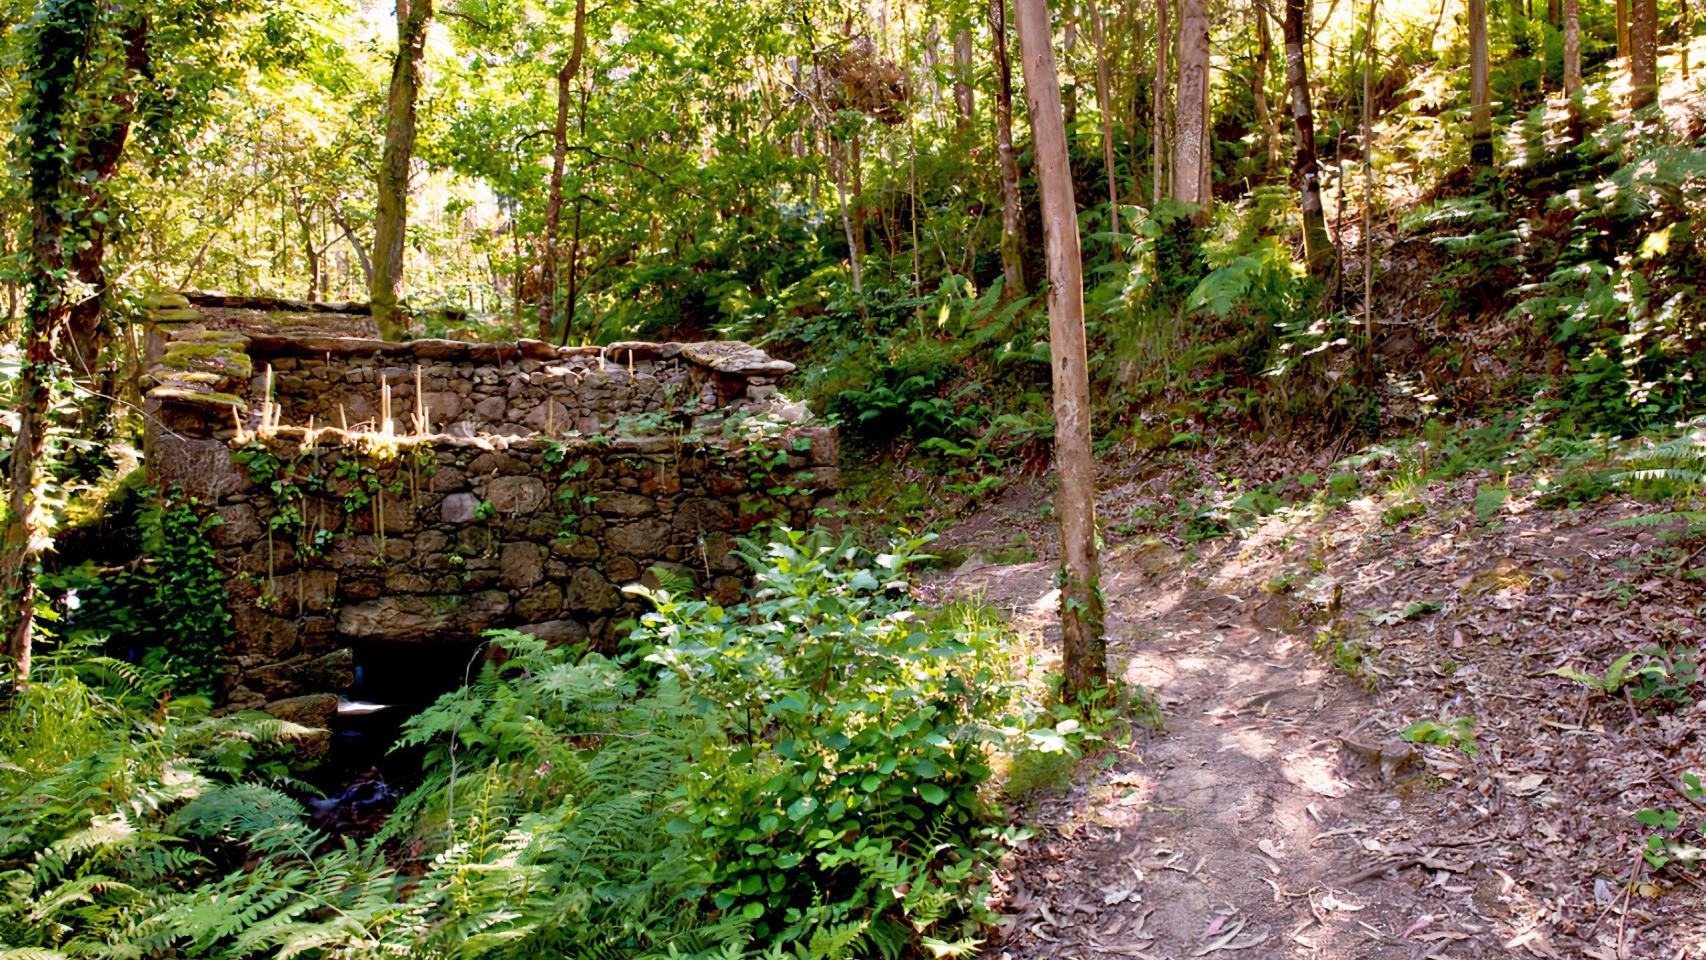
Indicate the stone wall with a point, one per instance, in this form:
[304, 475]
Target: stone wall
[541, 482]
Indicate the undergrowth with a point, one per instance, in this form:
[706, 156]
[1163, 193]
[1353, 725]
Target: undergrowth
[809, 773]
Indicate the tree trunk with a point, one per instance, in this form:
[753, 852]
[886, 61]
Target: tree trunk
[1572, 48]
[1191, 131]
[1259, 90]
[965, 95]
[1643, 53]
[554, 195]
[857, 162]
[1163, 42]
[60, 195]
[1623, 28]
[1368, 196]
[838, 167]
[1317, 251]
[1069, 44]
[1012, 242]
[1480, 93]
[1105, 104]
[1083, 648]
[390, 224]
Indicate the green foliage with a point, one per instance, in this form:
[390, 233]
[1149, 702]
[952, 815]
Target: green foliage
[1458, 733]
[1672, 843]
[170, 608]
[1651, 675]
[847, 775]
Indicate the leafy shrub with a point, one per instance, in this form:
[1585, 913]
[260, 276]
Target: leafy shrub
[845, 782]
[168, 610]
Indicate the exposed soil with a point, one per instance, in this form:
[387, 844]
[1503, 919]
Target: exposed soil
[1279, 814]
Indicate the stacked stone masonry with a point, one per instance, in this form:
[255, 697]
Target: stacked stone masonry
[545, 479]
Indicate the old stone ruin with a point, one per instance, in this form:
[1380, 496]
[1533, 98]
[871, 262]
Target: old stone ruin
[382, 504]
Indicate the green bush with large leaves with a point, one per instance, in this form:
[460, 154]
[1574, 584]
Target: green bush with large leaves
[800, 775]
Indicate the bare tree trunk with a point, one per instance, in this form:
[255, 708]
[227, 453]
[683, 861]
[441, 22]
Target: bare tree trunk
[390, 225]
[1191, 133]
[1572, 48]
[838, 167]
[554, 196]
[1368, 195]
[1012, 243]
[1259, 90]
[1083, 648]
[1480, 93]
[1105, 104]
[1163, 41]
[1643, 53]
[1317, 251]
[1687, 38]
[1069, 44]
[1623, 28]
[858, 199]
[305, 222]
[965, 95]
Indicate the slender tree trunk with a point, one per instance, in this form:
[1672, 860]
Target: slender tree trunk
[1163, 85]
[390, 225]
[1069, 44]
[312, 255]
[1623, 28]
[1572, 48]
[838, 167]
[1643, 53]
[857, 163]
[548, 306]
[1259, 90]
[1368, 195]
[1317, 250]
[965, 94]
[1480, 93]
[1687, 38]
[1012, 241]
[1105, 104]
[1191, 132]
[1083, 648]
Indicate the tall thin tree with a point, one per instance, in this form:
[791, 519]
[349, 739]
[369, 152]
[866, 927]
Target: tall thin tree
[1643, 53]
[1191, 160]
[1163, 86]
[566, 75]
[1012, 241]
[1317, 250]
[1265, 123]
[1480, 90]
[965, 94]
[1105, 105]
[391, 219]
[1083, 648]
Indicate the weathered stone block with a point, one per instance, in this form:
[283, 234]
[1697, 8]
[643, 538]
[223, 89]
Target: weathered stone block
[590, 592]
[521, 565]
[514, 495]
[641, 538]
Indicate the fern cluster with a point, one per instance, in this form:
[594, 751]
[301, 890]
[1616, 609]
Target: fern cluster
[794, 778]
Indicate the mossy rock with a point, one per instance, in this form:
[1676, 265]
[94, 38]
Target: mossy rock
[194, 396]
[221, 357]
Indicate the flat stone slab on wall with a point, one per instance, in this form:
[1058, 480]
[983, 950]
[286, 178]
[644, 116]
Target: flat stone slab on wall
[544, 480]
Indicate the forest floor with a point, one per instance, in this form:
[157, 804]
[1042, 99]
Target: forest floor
[1279, 814]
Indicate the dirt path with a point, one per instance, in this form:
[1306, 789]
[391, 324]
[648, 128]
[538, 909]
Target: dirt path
[1236, 831]
[1278, 814]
